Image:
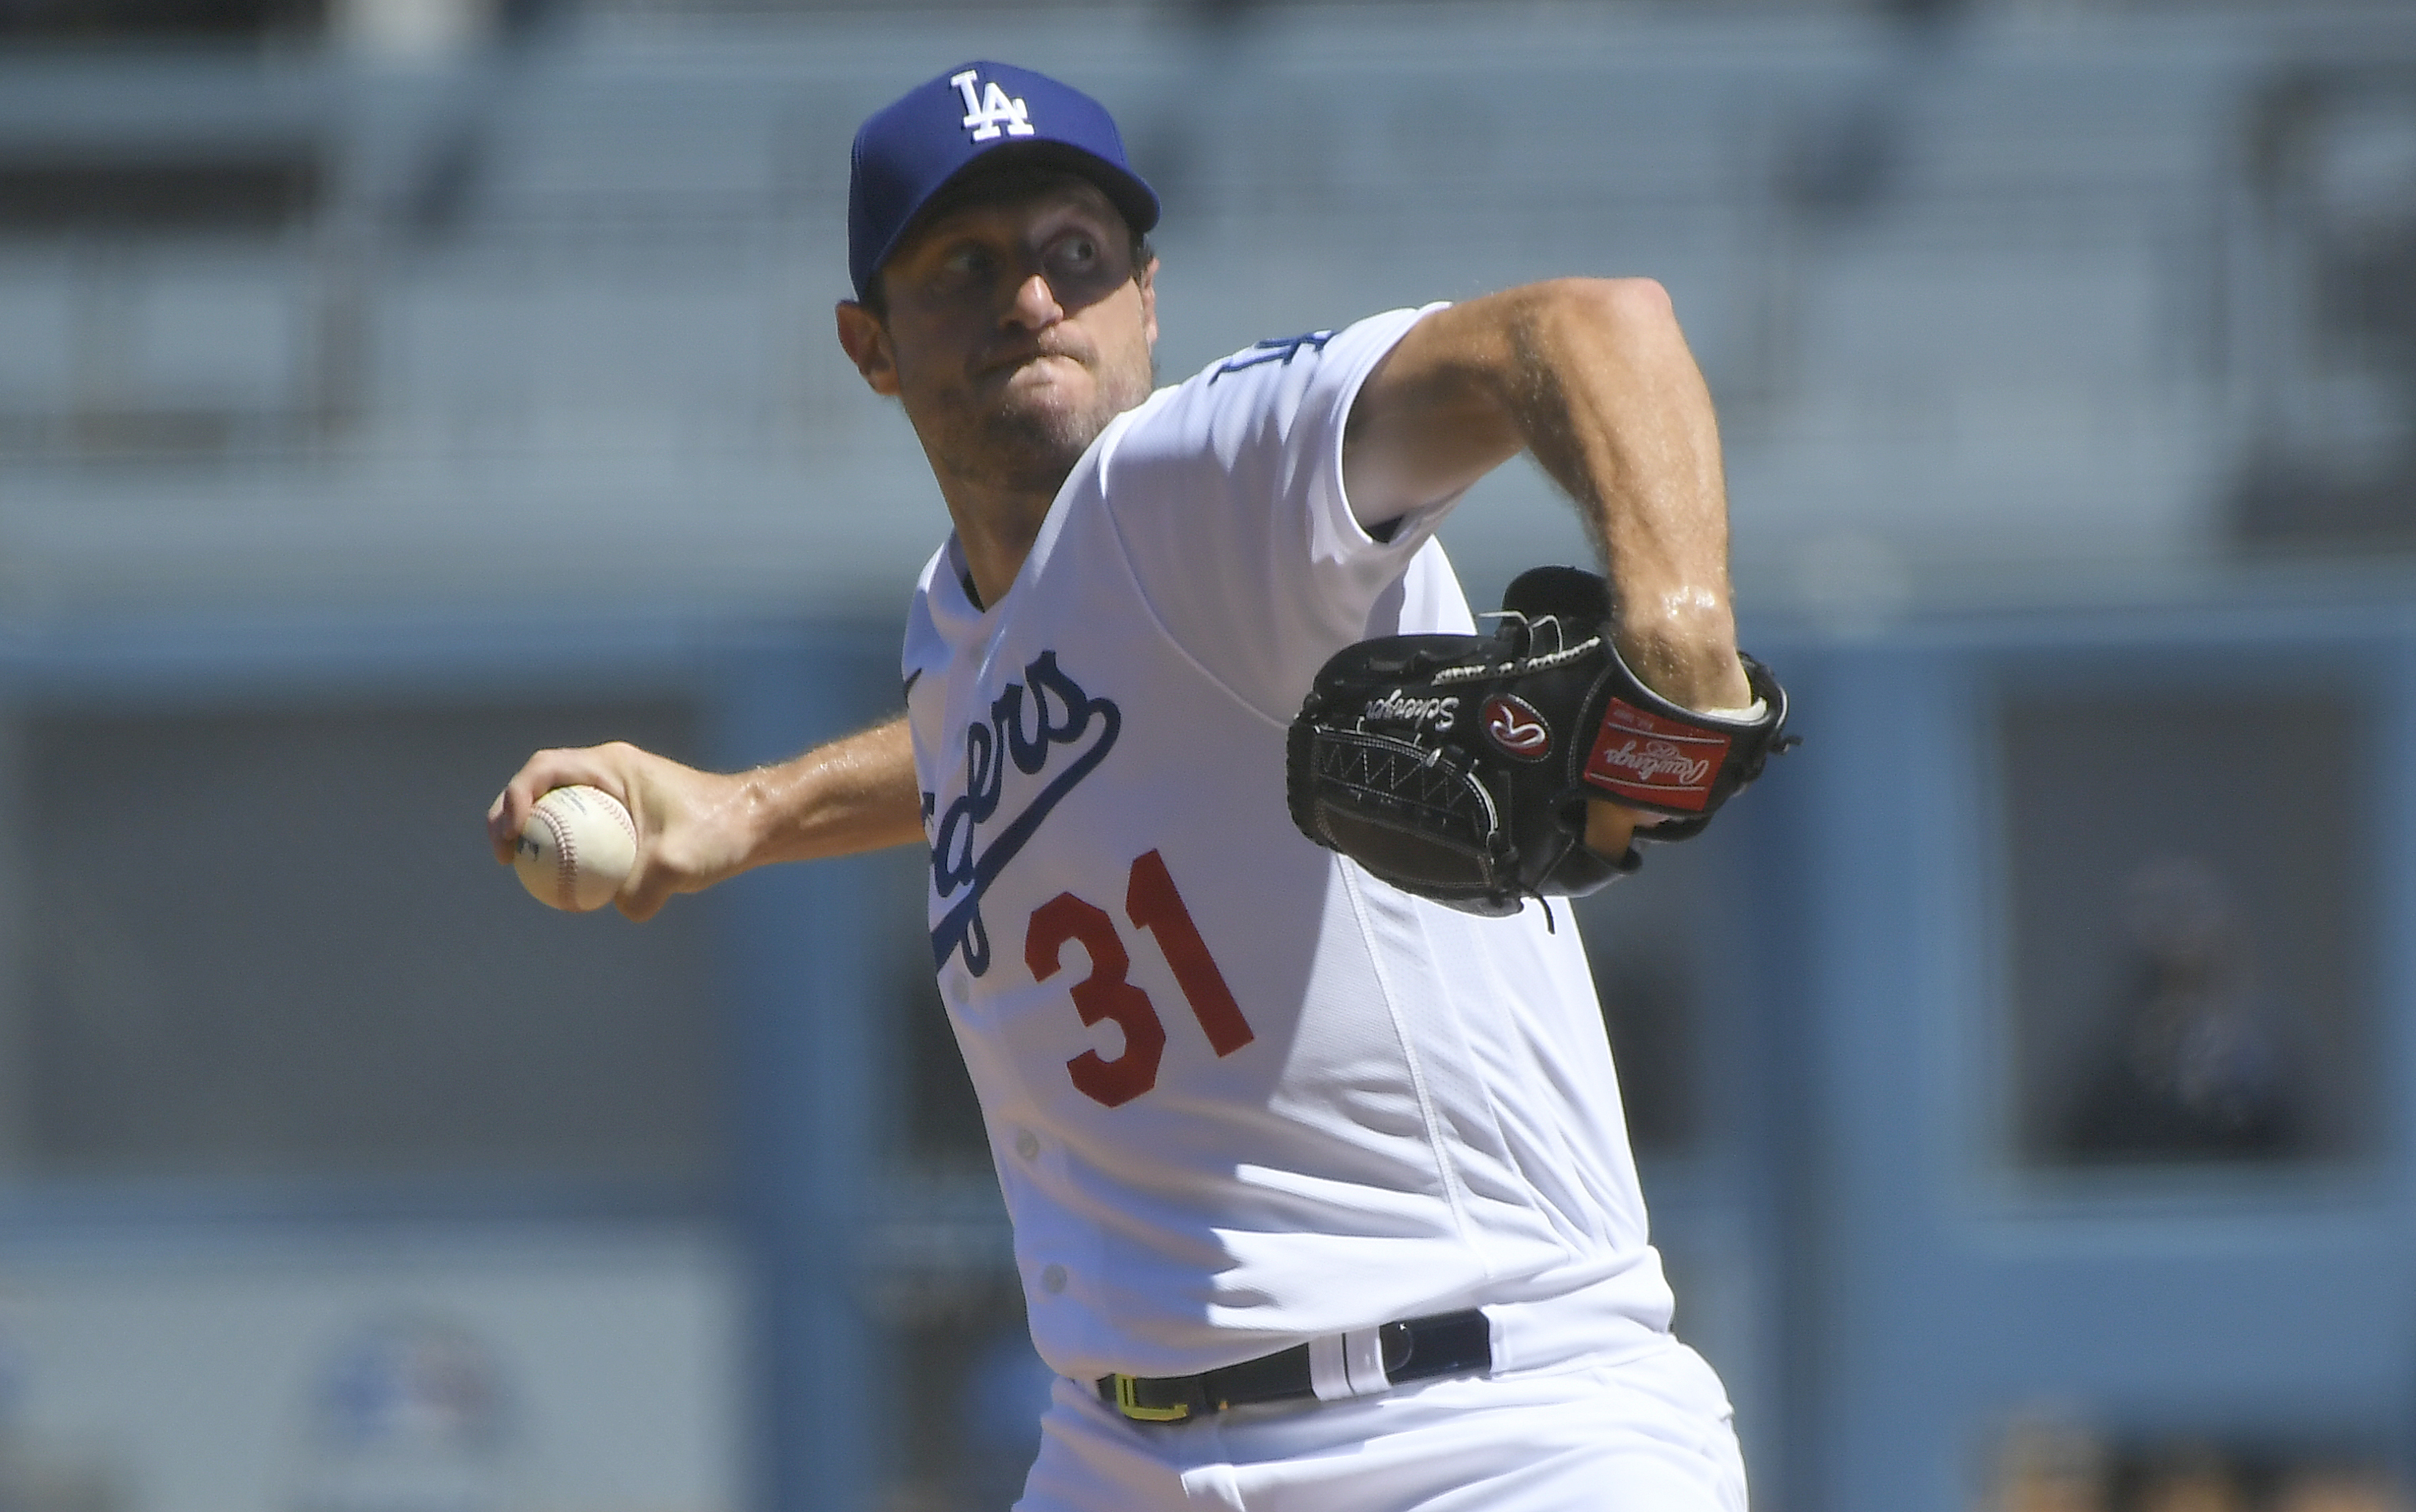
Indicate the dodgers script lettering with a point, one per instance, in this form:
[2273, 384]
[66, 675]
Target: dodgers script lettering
[1029, 722]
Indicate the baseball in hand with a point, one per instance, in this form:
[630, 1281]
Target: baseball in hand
[576, 850]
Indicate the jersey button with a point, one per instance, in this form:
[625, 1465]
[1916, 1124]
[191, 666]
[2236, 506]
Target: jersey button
[1027, 1144]
[1052, 1280]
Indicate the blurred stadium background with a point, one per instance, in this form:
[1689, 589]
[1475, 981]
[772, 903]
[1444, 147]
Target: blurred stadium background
[388, 387]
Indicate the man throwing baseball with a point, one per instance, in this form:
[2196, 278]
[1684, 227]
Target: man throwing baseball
[1320, 1189]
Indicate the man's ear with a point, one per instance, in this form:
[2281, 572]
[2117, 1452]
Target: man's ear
[1147, 279]
[867, 343]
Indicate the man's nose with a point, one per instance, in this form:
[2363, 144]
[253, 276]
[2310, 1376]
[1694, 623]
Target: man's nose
[1035, 304]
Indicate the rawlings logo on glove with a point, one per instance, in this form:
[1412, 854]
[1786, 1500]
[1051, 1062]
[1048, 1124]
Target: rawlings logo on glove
[1517, 727]
[1482, 814]
[1640, 759]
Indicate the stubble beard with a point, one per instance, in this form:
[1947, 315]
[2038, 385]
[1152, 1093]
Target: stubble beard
[1033, 447]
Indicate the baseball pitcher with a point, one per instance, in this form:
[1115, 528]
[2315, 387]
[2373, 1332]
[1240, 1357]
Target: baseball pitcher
[1241, 837]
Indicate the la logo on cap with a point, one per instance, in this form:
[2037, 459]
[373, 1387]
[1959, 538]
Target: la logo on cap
[990, 111]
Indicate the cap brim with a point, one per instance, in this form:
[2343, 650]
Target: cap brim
[1133, 199]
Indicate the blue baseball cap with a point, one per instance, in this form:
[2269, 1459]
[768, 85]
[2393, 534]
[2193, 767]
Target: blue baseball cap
[910, 150]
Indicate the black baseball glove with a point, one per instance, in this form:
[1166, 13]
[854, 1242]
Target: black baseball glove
[1458, 767]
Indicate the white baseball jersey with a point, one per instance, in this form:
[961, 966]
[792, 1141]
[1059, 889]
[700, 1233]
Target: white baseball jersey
[1239, 1092]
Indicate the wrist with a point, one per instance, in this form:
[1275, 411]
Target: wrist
[1706, 677]
[1682, 644]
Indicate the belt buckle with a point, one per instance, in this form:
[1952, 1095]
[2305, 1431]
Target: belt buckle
[1130, 1403]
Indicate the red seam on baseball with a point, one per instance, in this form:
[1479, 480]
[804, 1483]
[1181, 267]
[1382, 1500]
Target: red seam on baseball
[566, 863]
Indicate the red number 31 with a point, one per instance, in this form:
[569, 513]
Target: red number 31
[1153, 905]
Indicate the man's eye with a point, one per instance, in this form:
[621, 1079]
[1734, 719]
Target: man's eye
[1078, 251]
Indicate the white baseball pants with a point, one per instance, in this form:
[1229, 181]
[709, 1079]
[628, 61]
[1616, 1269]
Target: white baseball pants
[1649, 1432]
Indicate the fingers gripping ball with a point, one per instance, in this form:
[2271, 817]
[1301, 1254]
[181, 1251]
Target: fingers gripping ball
[577, 848]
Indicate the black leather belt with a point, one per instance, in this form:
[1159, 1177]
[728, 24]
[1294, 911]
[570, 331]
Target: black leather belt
[1357, 1364]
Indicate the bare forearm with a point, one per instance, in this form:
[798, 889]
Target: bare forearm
[1592, 376]
[697, 827]
[1608, 398]
[855, 794]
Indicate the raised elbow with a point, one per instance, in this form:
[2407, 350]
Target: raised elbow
[1625, 305]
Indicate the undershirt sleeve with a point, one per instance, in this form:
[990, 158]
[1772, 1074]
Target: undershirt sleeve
[1229, 503]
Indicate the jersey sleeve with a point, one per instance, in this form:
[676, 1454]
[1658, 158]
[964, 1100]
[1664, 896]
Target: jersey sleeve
[1228, 501]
